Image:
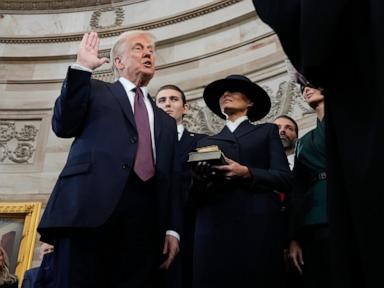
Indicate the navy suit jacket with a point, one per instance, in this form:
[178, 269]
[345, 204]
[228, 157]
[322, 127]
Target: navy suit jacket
[186, 144]
[30, 277]
[101, 158]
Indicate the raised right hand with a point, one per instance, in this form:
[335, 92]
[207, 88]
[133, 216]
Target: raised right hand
[88, 52]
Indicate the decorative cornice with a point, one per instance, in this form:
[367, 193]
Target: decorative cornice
[105, 52]
[105, 33]
[107, 74]
[49, 6]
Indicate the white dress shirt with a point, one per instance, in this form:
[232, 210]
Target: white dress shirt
[291, 160]
[180, 131]
[232, 126]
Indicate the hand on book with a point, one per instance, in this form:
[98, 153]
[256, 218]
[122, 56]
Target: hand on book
[233, 169]
[203, 171]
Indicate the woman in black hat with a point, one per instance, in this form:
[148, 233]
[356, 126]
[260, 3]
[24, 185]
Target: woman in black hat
[238, 240]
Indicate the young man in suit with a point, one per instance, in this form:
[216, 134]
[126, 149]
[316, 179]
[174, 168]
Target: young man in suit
[116, 189]
[172, 100]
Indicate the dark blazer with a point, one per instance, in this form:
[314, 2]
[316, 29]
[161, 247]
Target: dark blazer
[42, 276]
[239, 233]
[180, 273]
[30, 277]
[186, 144]
[100, 161]
[346, 58]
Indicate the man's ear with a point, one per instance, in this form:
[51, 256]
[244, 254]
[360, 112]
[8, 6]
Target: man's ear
[186, 109]
[118, 64]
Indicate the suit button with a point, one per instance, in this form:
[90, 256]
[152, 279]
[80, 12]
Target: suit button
[132, 140]
[125, 166]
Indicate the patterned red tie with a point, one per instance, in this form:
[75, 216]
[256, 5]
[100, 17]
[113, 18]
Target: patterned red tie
[144, 165]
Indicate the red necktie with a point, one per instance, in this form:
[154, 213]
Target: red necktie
[144, 165]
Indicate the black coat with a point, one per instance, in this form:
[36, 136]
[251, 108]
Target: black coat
[239, 234]
[339, 45]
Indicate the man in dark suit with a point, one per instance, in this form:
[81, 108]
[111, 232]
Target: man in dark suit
[116, 189]
[172, 100]
[40, 276]
[339, 46]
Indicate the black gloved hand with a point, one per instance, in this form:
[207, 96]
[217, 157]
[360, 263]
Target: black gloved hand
[203, 171]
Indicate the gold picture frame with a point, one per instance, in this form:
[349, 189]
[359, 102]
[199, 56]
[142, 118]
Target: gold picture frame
[18, 224]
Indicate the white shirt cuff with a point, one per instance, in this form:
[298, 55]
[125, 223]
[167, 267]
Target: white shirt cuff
[80, 67]
[173, 233]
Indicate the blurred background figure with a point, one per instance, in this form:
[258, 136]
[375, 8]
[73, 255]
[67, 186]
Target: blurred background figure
[289, 132]
[7, 280]
[40, 276]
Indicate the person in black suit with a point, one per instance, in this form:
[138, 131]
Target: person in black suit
[40, 276]
[116, 189]
[172, 100]
[239, 239]
[346, 58]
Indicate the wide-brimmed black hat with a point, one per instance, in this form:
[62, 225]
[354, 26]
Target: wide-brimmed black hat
[238, 83]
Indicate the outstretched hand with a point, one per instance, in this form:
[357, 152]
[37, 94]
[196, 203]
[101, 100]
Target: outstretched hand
[88, 52]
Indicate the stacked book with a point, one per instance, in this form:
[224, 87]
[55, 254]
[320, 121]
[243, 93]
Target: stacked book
[211, 154]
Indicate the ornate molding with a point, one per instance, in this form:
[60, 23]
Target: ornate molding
[49, 6]
[23, 139]
[95, 18]
[115, 32]
[17, 142]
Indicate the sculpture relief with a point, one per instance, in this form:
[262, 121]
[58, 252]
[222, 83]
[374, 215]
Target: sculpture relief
[97, 16]
[17, 145]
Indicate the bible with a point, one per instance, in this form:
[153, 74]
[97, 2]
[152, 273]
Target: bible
[211, 154]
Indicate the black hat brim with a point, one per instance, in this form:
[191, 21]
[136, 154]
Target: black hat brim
[260, 98]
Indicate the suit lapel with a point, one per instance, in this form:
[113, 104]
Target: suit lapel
[119, 92]
[225, 135]
[185, 143]
[244, 128]
[157, 123]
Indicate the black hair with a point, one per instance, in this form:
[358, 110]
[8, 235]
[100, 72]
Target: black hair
[292, 120]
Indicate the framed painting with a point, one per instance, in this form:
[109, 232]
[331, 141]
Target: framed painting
[18, 223]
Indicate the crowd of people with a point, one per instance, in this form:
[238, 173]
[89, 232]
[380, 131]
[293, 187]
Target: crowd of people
[261, 219]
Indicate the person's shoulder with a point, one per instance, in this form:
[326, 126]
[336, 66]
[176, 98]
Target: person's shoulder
[30, 273]
[195, 135]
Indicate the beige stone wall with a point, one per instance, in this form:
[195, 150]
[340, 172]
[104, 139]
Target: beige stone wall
[198, 42]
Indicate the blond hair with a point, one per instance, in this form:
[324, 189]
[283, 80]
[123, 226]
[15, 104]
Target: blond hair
[121, 40]
[5, 276]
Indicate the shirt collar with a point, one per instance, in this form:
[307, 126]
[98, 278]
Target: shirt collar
[232, 126]
[180, 130]
[128, 86]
